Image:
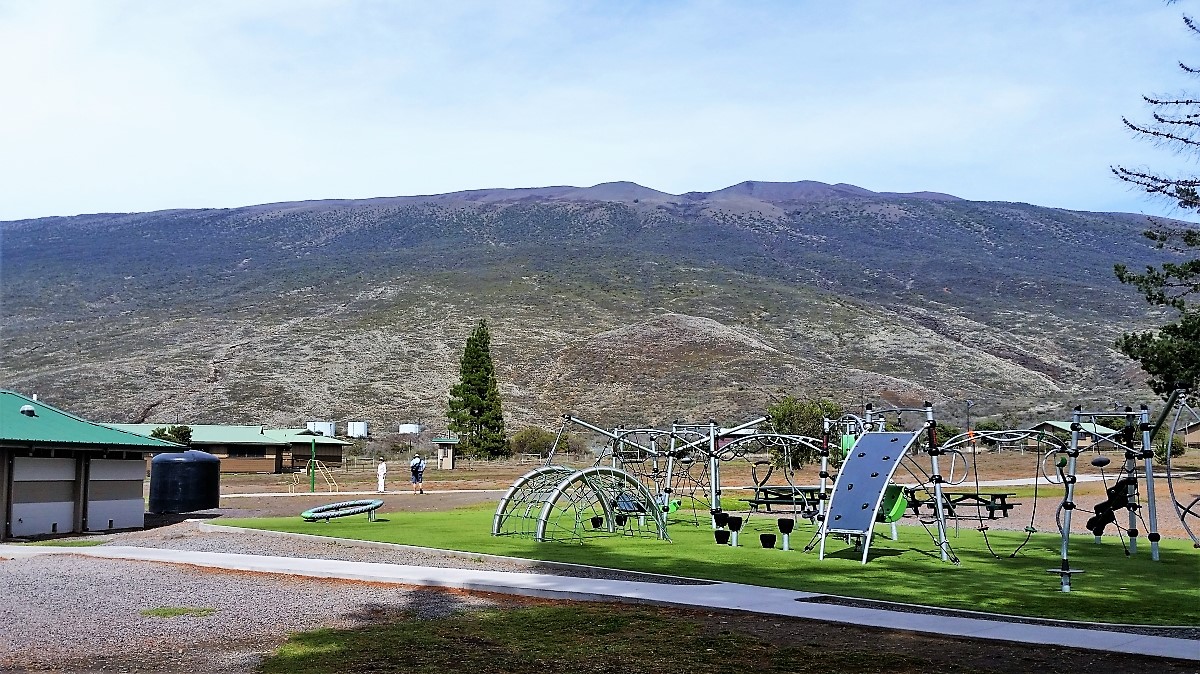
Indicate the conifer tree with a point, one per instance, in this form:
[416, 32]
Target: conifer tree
[474, 409]
[1171, 354]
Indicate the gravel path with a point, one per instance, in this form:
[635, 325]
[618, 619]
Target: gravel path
[73, 614]
[77, 614]
[190, 536]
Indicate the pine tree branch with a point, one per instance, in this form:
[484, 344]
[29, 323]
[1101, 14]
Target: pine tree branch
[1160, 135]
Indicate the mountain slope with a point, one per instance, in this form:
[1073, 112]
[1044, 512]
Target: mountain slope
[616, 301]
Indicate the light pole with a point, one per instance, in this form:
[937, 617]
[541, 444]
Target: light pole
[970, 437]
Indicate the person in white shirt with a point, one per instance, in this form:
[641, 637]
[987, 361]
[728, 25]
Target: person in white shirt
[382, 473]
[417, 468]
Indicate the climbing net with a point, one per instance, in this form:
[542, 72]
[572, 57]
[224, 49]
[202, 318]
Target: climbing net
[1041, 445]
[554, 503]
[669, 462]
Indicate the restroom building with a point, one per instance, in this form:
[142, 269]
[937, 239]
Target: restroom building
[62, 474]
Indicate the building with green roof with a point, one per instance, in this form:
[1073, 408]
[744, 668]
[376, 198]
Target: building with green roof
[242, 449]
[304, 443]
[60, 473]
[1091, 436]
[254, 449]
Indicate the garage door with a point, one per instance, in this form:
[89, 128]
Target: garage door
[115, 494]
[43, 496]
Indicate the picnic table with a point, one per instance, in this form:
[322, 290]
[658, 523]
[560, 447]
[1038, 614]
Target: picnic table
[791, 496]
[993, 502]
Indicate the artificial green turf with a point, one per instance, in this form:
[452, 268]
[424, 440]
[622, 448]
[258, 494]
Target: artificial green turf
[1114, 588]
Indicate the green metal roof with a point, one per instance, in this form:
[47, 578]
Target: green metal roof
[302, 435]
[49, 425]
[1094, 429]
[210, 434]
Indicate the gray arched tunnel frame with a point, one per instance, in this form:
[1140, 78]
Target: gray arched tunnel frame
[528, 480]
[648, 503]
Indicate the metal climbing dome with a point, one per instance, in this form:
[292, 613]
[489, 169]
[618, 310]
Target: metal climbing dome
[555, 503]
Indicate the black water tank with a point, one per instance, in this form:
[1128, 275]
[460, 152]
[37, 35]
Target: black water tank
[183, 482]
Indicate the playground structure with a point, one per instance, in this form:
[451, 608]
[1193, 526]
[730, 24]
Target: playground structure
[1185, 417]
[555, 503]
[312, 469]
[343, 509]
[646, 477]
[651, 474]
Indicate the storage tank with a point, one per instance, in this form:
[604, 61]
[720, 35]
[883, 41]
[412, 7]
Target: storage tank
[356, 429]
[326, 428]
[410, 429]
[183, 482]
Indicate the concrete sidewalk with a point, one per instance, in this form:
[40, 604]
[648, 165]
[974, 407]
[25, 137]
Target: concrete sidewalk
[730, 596]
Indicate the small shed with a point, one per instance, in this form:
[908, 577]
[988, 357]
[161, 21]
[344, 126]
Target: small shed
[445, 452]
[326, 428]
[61, 474]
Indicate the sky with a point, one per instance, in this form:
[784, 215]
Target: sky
[118, 106]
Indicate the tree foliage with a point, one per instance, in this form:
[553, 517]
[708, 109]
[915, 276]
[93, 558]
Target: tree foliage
[178, 434]
[474, 409]
[535, 440]
[988, 426]
[1170, 355]
[793, 416]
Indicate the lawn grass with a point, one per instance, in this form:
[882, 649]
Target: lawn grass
[1114, 588]
[67, 543]
[584, 638]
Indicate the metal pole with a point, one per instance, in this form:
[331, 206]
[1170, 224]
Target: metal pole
[1148, 456]
[714, 474]
[312, 466]
[824, 474]
[970, 438]
[934, 452]
[1130, 467]
[1068, 504]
